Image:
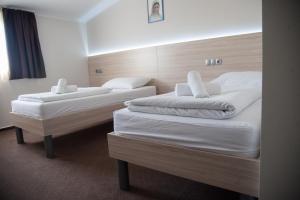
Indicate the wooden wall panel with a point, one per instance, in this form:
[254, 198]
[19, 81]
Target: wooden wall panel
[239, 53]
[169, 64]
[140, 62]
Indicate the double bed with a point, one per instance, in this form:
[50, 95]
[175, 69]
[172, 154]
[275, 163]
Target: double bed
[53, 118]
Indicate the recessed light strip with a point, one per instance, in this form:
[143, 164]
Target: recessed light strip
[172, 42]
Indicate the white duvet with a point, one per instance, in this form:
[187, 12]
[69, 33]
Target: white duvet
[49, 96]
[223, 106]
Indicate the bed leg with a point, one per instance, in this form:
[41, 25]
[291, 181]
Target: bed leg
[123, 175]
[48, 143]
[19, 134]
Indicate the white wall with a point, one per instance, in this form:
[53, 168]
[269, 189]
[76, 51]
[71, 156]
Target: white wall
[64, 56]
[125, 24]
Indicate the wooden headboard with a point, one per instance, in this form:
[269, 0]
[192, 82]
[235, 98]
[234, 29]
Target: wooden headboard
[169, 64]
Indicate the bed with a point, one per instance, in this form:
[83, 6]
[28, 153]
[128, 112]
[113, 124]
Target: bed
[157, 133]
[49, 119]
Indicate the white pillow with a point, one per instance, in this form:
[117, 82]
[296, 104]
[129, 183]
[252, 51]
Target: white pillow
[232, 81]
[126, 82]
[196, 84]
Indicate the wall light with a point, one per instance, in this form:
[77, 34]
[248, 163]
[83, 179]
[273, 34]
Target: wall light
[175, 41]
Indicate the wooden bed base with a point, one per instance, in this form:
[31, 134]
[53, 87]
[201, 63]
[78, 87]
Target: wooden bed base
[62, 124]
[229, 172]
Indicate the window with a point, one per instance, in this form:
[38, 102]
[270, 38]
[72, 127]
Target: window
[4, 69]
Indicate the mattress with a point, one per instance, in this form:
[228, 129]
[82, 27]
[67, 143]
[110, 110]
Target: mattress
[238, 136]
[48, 110]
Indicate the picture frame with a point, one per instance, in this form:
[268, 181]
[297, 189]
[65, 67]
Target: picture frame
[155, 11]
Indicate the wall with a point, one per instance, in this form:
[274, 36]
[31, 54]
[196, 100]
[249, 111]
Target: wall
[167, 65]
[280, 141]
[125, 24]
[64, 56]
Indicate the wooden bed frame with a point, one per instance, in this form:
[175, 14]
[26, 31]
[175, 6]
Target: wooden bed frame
[229, 172]
[168, 65]
[62, 124]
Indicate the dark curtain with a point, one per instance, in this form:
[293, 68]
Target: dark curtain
[23, 46]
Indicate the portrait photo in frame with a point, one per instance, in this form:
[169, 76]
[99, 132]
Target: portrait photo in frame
[155, 10]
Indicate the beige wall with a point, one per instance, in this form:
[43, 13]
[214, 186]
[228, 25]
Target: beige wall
[125, 24]
[280, 141]
[64, 56]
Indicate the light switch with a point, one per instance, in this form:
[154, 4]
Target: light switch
[207, 62]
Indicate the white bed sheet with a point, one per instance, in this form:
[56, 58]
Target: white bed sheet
[48, 110]
[238, 136]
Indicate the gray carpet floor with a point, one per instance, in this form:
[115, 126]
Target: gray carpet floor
[82, 170]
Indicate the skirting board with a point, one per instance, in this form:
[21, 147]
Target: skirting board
[233, 173]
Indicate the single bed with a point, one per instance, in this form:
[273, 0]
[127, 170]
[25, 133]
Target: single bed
[237, 136]
[64, 116]
[222, 153]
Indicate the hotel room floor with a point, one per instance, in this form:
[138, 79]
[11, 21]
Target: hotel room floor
[84, 171]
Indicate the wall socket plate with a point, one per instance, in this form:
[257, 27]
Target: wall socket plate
[218, 61]
[213, 61]
[207, 62]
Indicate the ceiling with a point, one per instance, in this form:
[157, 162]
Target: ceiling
[64, 9]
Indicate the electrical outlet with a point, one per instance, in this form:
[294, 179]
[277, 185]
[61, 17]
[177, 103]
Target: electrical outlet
[218, 61]
[99, 71]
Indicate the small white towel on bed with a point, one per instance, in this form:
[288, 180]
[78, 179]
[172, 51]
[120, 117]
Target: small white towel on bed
[223, 106]
[67, 89]
[196, 84]
[61, 86]
[183, 89]
[49, 96]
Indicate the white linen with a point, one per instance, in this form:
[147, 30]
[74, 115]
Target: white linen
[239, 136]
[183, 89]
[61, 86]
[49, 96]
[126, 82]
[232, 81]
[196, 84]
[48, 110]
[221, 106]
[67, 89]
[213, 88]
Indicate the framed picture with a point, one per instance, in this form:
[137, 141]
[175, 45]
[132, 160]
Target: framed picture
[155, 11]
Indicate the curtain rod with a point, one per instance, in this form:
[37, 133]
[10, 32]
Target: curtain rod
[17, 8]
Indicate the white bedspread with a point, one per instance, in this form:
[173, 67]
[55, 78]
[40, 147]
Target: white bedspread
[238, 136]
[222, 106]
[49, 96]
[49, 110]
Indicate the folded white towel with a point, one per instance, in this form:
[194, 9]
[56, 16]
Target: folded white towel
[183, 89]
[196, 84]
[223, 106]
[213, 88]
[67, 89]
[61, 86]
